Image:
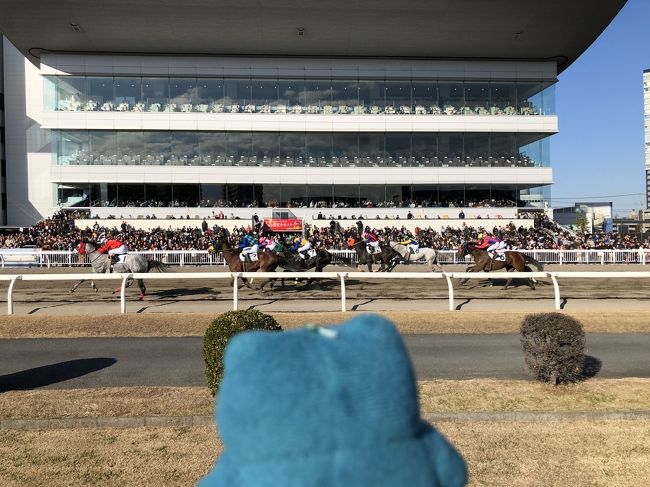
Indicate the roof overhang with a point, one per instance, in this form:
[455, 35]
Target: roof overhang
[556, 30]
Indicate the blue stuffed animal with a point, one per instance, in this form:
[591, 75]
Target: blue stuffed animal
[334, 406]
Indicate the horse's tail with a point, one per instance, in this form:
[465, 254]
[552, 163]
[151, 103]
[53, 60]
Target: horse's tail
[530, 260]
[156, 264]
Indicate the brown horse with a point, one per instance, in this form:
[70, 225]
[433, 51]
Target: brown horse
[266, 262]
[387, 259]
[484, 262]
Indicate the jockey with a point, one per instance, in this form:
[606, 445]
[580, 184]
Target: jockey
[115, 248]
[491, 244]
[372, 241]
[411, 243]
[267, 243]
[301, 245]
[248, 246]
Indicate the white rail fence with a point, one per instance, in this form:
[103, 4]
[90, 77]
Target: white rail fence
[54, 258]
[340, 276]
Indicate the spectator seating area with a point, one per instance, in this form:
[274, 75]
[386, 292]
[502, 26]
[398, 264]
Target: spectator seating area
[59, 233]
[511, 160]
[73, 103]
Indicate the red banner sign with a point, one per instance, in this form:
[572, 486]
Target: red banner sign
[283, 224]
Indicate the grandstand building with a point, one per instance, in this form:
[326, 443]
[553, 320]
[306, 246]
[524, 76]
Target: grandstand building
[3, 162]
[370, 108]
[646, 126]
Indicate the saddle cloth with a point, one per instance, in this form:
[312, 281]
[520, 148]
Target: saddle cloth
[373, 249]
[311, 253]
[414, 250]
[252, 255]
[500, 256]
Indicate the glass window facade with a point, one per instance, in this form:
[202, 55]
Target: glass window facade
[324, 149]
[298, 96]
[142, 196]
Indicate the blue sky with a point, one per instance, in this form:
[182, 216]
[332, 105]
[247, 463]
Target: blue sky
[599, 151]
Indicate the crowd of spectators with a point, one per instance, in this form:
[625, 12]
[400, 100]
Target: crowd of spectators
[310, 203]
[59, 233]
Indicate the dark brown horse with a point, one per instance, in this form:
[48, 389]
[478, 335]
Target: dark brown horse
[484, 262]
[266, 262]
[387, 259]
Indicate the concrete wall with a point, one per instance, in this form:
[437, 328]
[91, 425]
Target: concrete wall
[29, 190]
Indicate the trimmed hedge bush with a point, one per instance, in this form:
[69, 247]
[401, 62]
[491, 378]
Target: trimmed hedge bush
[554, 347]
[219, 332]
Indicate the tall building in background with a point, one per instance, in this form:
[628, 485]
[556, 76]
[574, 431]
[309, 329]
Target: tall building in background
[348, 108]
[646, 126]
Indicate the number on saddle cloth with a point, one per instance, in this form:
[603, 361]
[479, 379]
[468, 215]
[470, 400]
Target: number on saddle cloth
[251, 255]
[311, 253]
[373, 249]
[500, 256]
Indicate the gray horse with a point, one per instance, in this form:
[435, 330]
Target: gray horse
[101, 263]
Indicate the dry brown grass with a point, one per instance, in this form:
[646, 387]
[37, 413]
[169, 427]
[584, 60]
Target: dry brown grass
[151, 456]
[580, 453]
[109, 401]
[194, 324]
[439, 396]
[515, 395]
[602, 453]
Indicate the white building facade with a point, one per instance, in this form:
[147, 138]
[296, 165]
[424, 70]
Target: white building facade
[243, 106]
[165, 132]
[646, 126]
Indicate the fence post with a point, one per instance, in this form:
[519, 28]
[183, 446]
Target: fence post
[556, 291]
[343, 275]
[182, 259]
[602, 258]
[450, 288]
[561, 256]
[10, 295]
[123, 294]
[235, 289]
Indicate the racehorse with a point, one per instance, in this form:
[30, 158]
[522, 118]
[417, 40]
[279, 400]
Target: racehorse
[291, 261]
[430, 256]
[388, 258]
[101, 263]
[484, 262]
[267, 261]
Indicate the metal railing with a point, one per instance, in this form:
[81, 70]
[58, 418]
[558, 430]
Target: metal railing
[340, 276]
[62, 258]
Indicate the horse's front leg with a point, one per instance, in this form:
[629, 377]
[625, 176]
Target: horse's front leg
[463, 281]
[74, 288]
[472, 268]
[93, 286]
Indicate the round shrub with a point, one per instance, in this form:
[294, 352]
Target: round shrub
[554, 347]
[219, 332]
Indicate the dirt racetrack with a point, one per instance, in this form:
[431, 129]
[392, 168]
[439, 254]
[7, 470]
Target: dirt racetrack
[414, 294]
